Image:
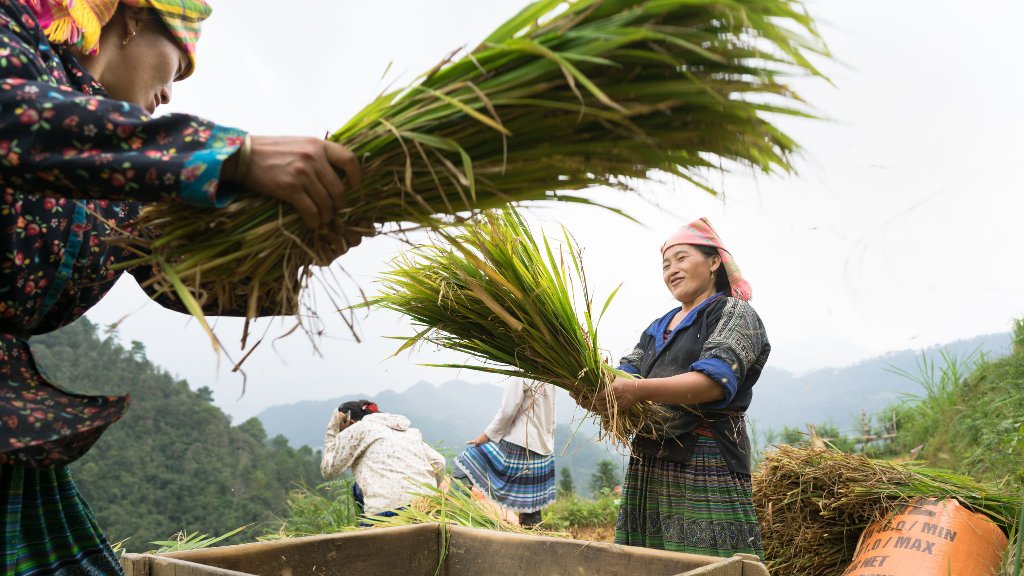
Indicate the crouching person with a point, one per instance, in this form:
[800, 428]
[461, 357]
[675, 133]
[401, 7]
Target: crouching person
[388, 458]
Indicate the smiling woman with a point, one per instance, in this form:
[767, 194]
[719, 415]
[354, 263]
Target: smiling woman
[688, 488]
[80, 152]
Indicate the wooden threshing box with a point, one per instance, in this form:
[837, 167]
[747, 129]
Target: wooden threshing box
[420, 550]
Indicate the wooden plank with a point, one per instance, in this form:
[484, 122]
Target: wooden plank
[727, 567]
[402, 551]
[413, 551]
[135, 564]
[160, 566]
[474, 552]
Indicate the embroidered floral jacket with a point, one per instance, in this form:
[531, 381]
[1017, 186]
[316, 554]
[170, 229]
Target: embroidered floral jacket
[75, 166]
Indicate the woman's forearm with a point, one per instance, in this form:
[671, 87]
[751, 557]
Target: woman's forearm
[687, 388]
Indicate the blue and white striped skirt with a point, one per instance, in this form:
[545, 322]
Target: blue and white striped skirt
[516, 478]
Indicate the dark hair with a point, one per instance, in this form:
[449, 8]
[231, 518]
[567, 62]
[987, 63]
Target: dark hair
[146, 14]
[721, 276]
[152, 17]
[357, 409]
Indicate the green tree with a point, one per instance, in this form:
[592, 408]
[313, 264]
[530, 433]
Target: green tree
[605, 476]
[174, 462]
[205, 394]
[254, 429]
[566, 487]
[138, 350]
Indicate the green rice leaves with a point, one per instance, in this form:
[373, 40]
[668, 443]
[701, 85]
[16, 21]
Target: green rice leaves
[514, 303]
[564, 96]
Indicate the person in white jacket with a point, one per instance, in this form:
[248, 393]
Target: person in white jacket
[388, 458]
[513, 460]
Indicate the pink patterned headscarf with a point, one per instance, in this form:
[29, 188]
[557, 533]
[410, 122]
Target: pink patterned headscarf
[700, 233]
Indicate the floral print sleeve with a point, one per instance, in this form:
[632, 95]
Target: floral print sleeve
[61, 136]
[75, 168]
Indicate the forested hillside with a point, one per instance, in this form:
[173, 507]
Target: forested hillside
[174, 461]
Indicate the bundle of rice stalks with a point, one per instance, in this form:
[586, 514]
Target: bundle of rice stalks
[1013, 561]
[519, 307]
[457, 505]
[184, 541]
[813, 505]
[322, 509]
[567, 95]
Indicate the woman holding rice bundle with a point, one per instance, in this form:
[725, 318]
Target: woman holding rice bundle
[80, 151]
[689, 489]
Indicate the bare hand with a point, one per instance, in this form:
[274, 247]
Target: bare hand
[624, 393]
[340, 239]
[481, 439]
[340, 421]
[310, 174]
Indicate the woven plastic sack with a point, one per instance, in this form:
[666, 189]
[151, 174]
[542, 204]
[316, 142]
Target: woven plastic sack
[930, 538]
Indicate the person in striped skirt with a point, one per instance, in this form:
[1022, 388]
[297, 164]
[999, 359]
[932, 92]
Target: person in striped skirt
[513, 460]
[688, 488]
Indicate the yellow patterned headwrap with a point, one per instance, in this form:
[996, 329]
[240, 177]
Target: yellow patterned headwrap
[79, 22]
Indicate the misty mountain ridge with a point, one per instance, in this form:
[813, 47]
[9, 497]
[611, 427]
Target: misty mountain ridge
[450, 413]
[839, 395]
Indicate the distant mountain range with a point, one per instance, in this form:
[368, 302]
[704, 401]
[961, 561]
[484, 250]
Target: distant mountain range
[838, 395]
[456, 411]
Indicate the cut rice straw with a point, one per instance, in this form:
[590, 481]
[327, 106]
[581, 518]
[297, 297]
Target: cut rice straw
[521, 308]
[458, 506]
[566, 95]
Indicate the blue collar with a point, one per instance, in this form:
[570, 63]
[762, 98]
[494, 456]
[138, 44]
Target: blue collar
[657, 330]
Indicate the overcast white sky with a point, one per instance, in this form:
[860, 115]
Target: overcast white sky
[901, 230]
